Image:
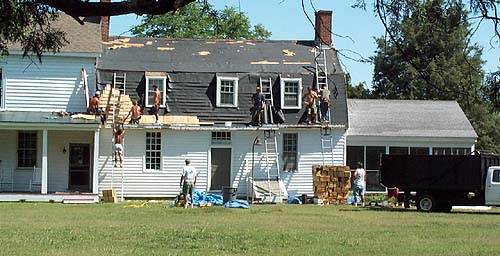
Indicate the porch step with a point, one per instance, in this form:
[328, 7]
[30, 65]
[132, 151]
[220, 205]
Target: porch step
[81, 199]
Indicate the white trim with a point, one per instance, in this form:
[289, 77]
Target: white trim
[95, 172]
[162, 146]
[163, 92]
[235, 91]
[45, 146]
[61, 54]
[282, 91]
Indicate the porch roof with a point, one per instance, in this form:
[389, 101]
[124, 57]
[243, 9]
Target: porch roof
[46, 119]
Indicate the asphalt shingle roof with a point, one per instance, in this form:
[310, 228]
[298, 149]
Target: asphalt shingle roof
[81, 38]
[419, 118]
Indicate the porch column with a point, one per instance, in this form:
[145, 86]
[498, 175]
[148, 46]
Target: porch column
[95, 168]
[44, 161]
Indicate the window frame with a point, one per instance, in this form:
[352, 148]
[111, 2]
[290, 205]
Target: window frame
[163, 92]
[146, 151]
[283, 82]
[296, 165]
[25, 149]
[2, 91]
[221, 138]
[235, 92]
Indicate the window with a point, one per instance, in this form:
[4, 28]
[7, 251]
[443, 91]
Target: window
[153, 151]
[227, 92]
[221, 138]
[398, 150]
[451, 151]
[291, 93]
[1, 89]
[460, 151]
[420, 151]
[290, 152]
[161, 82]
[355, 154]
[496, 176]
[26, 149]
[373, 157]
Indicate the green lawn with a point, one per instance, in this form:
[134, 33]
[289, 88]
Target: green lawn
[111, 229]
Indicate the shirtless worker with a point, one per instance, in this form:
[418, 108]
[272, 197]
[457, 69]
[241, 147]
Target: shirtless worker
[94, 108]
[156, 102]
[136, 112]
[119, 133]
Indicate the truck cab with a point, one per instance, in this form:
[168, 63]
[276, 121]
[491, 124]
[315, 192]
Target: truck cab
[493, 186]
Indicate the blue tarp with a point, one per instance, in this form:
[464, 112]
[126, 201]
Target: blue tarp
[350, 200]
[237, 204]
[294, 200]
[203, 198]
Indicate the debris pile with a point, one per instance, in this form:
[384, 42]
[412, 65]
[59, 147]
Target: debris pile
[331, 183]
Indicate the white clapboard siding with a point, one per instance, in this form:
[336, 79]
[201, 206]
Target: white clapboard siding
[137, 182]
[58, 164]
[310, 153]
[53, 85]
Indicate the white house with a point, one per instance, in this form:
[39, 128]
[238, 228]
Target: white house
[404, 127]
[43, 150]
[213, 81]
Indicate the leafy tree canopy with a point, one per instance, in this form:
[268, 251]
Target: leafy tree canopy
[201, 20]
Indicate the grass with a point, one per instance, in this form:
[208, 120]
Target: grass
[111, 229]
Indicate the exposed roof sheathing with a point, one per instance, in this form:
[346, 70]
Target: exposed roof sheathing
[190, 55]
[419, 118]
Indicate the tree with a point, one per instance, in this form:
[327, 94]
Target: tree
[359, 91]
[429, 57]
[491, 90]
[201, 20]
[27, 22]
[18, 16]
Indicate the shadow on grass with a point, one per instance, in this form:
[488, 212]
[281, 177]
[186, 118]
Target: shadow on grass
[388, 209]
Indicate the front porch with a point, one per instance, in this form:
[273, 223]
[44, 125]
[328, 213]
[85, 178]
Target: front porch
[47, 157]
[57, 197]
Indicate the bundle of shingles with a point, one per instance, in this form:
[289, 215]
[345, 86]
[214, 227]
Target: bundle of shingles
[331, 183]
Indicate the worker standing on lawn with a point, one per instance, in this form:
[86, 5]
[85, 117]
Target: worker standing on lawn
[188, 182]
[359, 184]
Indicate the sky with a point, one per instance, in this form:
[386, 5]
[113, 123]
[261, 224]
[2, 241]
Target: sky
[354, 29]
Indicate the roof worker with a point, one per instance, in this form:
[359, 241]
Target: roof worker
[310, 101]
[257, 108]
[188, 182]
[324, 105]
[94, 108]
[119, 132]
[136, 112]
[156, 102]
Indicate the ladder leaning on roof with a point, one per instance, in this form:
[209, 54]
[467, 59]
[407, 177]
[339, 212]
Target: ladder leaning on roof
[321, 71]
[327, 145]
[120, 82]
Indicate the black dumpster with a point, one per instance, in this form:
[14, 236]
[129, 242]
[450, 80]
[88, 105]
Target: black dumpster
[228, 194]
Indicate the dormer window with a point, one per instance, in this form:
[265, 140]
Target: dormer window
[227, 92]
[161, 82]
[291, 93]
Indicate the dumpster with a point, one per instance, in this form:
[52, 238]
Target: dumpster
[228, 194]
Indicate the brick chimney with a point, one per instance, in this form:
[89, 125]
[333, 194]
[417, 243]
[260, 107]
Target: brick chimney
[323, 28]
[105, 25]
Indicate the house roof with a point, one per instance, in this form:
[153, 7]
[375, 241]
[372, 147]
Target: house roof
[419, 118]
[26, 118]
[210, 55]
[81, 38]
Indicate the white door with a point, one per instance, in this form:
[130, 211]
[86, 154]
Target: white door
[493, 186]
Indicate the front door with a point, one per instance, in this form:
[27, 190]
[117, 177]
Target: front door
[493, 187]
[221, 168]
[79, 167]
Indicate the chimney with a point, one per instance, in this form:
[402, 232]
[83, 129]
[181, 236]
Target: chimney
[323, 28]
[105, 25]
